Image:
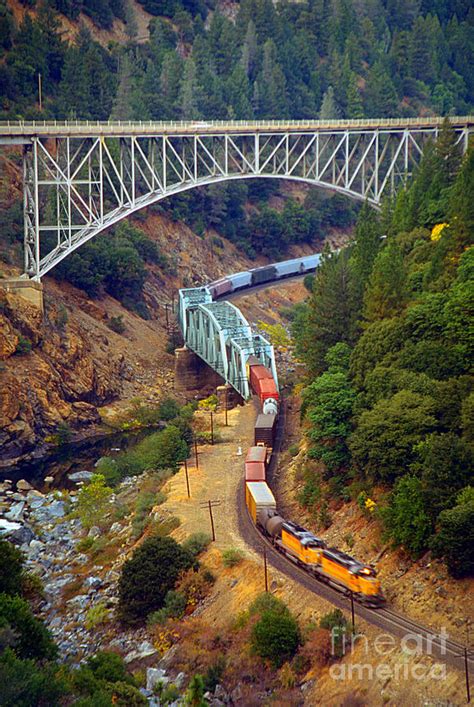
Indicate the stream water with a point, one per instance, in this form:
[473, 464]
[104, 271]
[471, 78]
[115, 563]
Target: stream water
[69, 458]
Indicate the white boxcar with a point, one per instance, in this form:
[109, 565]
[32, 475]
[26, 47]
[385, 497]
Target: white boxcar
[311, 261]
[289, 267]
[241, 279]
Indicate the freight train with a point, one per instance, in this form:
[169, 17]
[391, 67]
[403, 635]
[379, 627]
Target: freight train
[266, 273]
[328, 564]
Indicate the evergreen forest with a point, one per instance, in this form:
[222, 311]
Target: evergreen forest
[387, 338]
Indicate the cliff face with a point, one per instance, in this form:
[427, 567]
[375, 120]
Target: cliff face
[61, 380]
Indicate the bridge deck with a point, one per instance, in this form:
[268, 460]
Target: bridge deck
[89, 128]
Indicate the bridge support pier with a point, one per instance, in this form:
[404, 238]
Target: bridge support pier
[228, 397]
[192, 373]
[30, 290]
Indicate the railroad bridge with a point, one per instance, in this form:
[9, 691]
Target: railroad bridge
[79, 178]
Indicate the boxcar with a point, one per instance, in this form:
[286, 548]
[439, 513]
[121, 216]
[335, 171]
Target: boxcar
[263, 274]
[255, 471]
[257, 497]
[265, 430]
[240, 279]
[290, 267]
[220, 287]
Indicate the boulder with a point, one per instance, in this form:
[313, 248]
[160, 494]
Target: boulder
[94, 532]
[93, 582]
[155, 676]
[56, 509]
[81, 476]
[144, 650]
[22, 535]
[23, 485]
[16, 511]
[7, 526]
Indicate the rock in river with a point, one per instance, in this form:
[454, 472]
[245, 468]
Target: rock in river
[81, 476]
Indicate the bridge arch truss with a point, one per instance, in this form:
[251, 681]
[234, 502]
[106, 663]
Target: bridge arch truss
[219, 333]
[81, 179]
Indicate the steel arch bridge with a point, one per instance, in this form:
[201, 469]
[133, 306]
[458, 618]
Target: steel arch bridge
[219, 333]
[81, 178]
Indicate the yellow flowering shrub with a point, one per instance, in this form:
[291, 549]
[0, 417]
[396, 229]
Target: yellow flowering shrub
[436, 231]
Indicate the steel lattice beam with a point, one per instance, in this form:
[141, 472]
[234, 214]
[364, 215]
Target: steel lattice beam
[79, 180]
[219, 333]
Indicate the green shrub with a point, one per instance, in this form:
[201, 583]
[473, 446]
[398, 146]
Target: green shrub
[168, 409]
[335, 622]
[214, 674]
[32, 639]
[232, 557]
[97, 615]
[174, 607]
[11, 568]
[93, 501]
[197, 543]
[455, 539]
[275, 636]
[23, 682]
[23, 346]
[148, 576]
[117, 324]
[293, 450]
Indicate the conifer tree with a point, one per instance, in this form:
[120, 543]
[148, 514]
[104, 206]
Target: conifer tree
[329, 109]
[385, 293]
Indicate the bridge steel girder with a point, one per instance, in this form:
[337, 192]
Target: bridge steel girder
[219, 334]
[75, 187]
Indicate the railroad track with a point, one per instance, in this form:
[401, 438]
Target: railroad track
[417, 638]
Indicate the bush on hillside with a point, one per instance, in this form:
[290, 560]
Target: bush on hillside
[29, 636]
[147, 577]
[455, 539]
[11, 568]
[275, 636]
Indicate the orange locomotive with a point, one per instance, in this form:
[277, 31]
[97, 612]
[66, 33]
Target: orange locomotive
[330, 565]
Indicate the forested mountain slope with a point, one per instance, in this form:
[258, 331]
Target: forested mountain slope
[388, 342]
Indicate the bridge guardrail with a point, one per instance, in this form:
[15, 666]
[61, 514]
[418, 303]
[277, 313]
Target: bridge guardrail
[21, 127]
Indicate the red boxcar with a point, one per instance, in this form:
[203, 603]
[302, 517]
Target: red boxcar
[256, 454]
[220, 287]
[255, 471]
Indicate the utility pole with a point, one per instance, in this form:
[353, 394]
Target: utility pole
[225, 402]
[196, 452]
[265, 567]
[40, 96]
[210, 505]
[212, 428]
[187, 477]
[466, 654]
[353, 614]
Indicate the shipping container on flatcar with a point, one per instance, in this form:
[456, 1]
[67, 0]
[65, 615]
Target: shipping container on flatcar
[265, 430]
[257, 497]
[263, 274]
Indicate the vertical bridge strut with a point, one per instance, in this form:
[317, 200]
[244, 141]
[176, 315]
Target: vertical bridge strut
[81, 178]
[219, 333]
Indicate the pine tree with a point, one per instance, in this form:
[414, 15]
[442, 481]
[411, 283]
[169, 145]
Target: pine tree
[271, 85]
[329, 109]
[122, 107]
[250, 51]
[382, 100]
[355, 108]
[385, 295]
[238, 91]
[330, 315]
[188, 92]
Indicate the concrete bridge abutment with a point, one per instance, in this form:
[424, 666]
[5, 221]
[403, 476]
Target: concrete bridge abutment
[27, 289]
